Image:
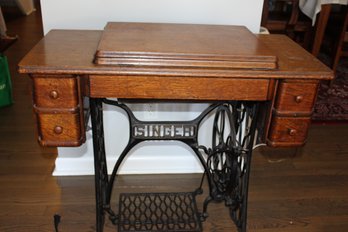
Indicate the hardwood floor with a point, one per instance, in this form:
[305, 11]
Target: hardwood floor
[290, 190]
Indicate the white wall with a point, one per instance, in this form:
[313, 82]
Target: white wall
[93, 14]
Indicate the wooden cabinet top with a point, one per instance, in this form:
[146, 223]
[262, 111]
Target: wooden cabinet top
[73, 52]
[182, 46]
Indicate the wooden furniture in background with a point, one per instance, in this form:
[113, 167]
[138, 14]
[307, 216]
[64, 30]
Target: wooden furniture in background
[25, 6]
[341, 50]
[320, 28]
[311, 9]
[5, 40]
[285, 17]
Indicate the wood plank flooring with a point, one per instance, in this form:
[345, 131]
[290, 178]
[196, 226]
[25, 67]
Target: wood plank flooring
[298, 190]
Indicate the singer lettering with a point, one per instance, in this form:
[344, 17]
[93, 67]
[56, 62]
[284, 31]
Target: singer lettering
[164, 131]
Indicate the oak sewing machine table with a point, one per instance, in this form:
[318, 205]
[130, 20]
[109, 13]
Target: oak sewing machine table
[261, 88]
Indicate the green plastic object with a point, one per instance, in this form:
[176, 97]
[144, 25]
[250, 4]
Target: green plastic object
[5, 83]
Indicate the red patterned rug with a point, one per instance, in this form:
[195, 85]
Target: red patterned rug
[332, 101]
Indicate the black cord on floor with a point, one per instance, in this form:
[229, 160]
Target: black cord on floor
[56, 218]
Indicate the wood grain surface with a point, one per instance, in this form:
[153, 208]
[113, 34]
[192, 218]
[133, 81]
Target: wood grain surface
[62, 129]
[55, 92]
[71, 52]
[176, 88]
[288, 131]
[296, 98]
[182, 45]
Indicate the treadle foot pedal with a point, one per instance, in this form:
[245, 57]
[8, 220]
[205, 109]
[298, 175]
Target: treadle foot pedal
[158, 212]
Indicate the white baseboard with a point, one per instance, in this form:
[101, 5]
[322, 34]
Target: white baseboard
[133, 165]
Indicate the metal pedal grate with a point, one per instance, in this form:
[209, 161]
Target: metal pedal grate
[172, 212]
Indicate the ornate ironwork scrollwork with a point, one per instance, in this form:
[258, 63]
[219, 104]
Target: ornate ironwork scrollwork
[226, 162]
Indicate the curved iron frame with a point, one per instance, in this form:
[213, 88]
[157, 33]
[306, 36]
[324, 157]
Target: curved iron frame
[226, 164]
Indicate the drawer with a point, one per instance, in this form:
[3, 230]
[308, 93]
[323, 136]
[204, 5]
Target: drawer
[295, 98]
[59, 92]
[62, 129]
[288, 131]
[179, 88]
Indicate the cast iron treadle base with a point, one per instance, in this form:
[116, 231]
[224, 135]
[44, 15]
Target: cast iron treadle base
[158, 212]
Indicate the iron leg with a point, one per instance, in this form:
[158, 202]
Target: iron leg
[100, 168]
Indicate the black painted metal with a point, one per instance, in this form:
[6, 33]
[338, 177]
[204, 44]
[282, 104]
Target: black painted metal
[56, 221]
[229, 158]
[172, 212]
[226, 162]
[100, 168]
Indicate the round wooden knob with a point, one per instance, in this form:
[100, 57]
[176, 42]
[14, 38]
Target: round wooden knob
[58, 130]
[54, 94]
[292, 132]
[298, 98]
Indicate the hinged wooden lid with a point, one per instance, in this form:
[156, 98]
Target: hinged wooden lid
[182, 45]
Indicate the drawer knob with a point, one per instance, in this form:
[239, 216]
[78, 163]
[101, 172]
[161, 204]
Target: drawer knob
[299, 99]
[54, 94]
[58, 130]
[292, 132]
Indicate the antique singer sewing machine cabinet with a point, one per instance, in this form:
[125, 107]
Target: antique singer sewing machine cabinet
[261, 88]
